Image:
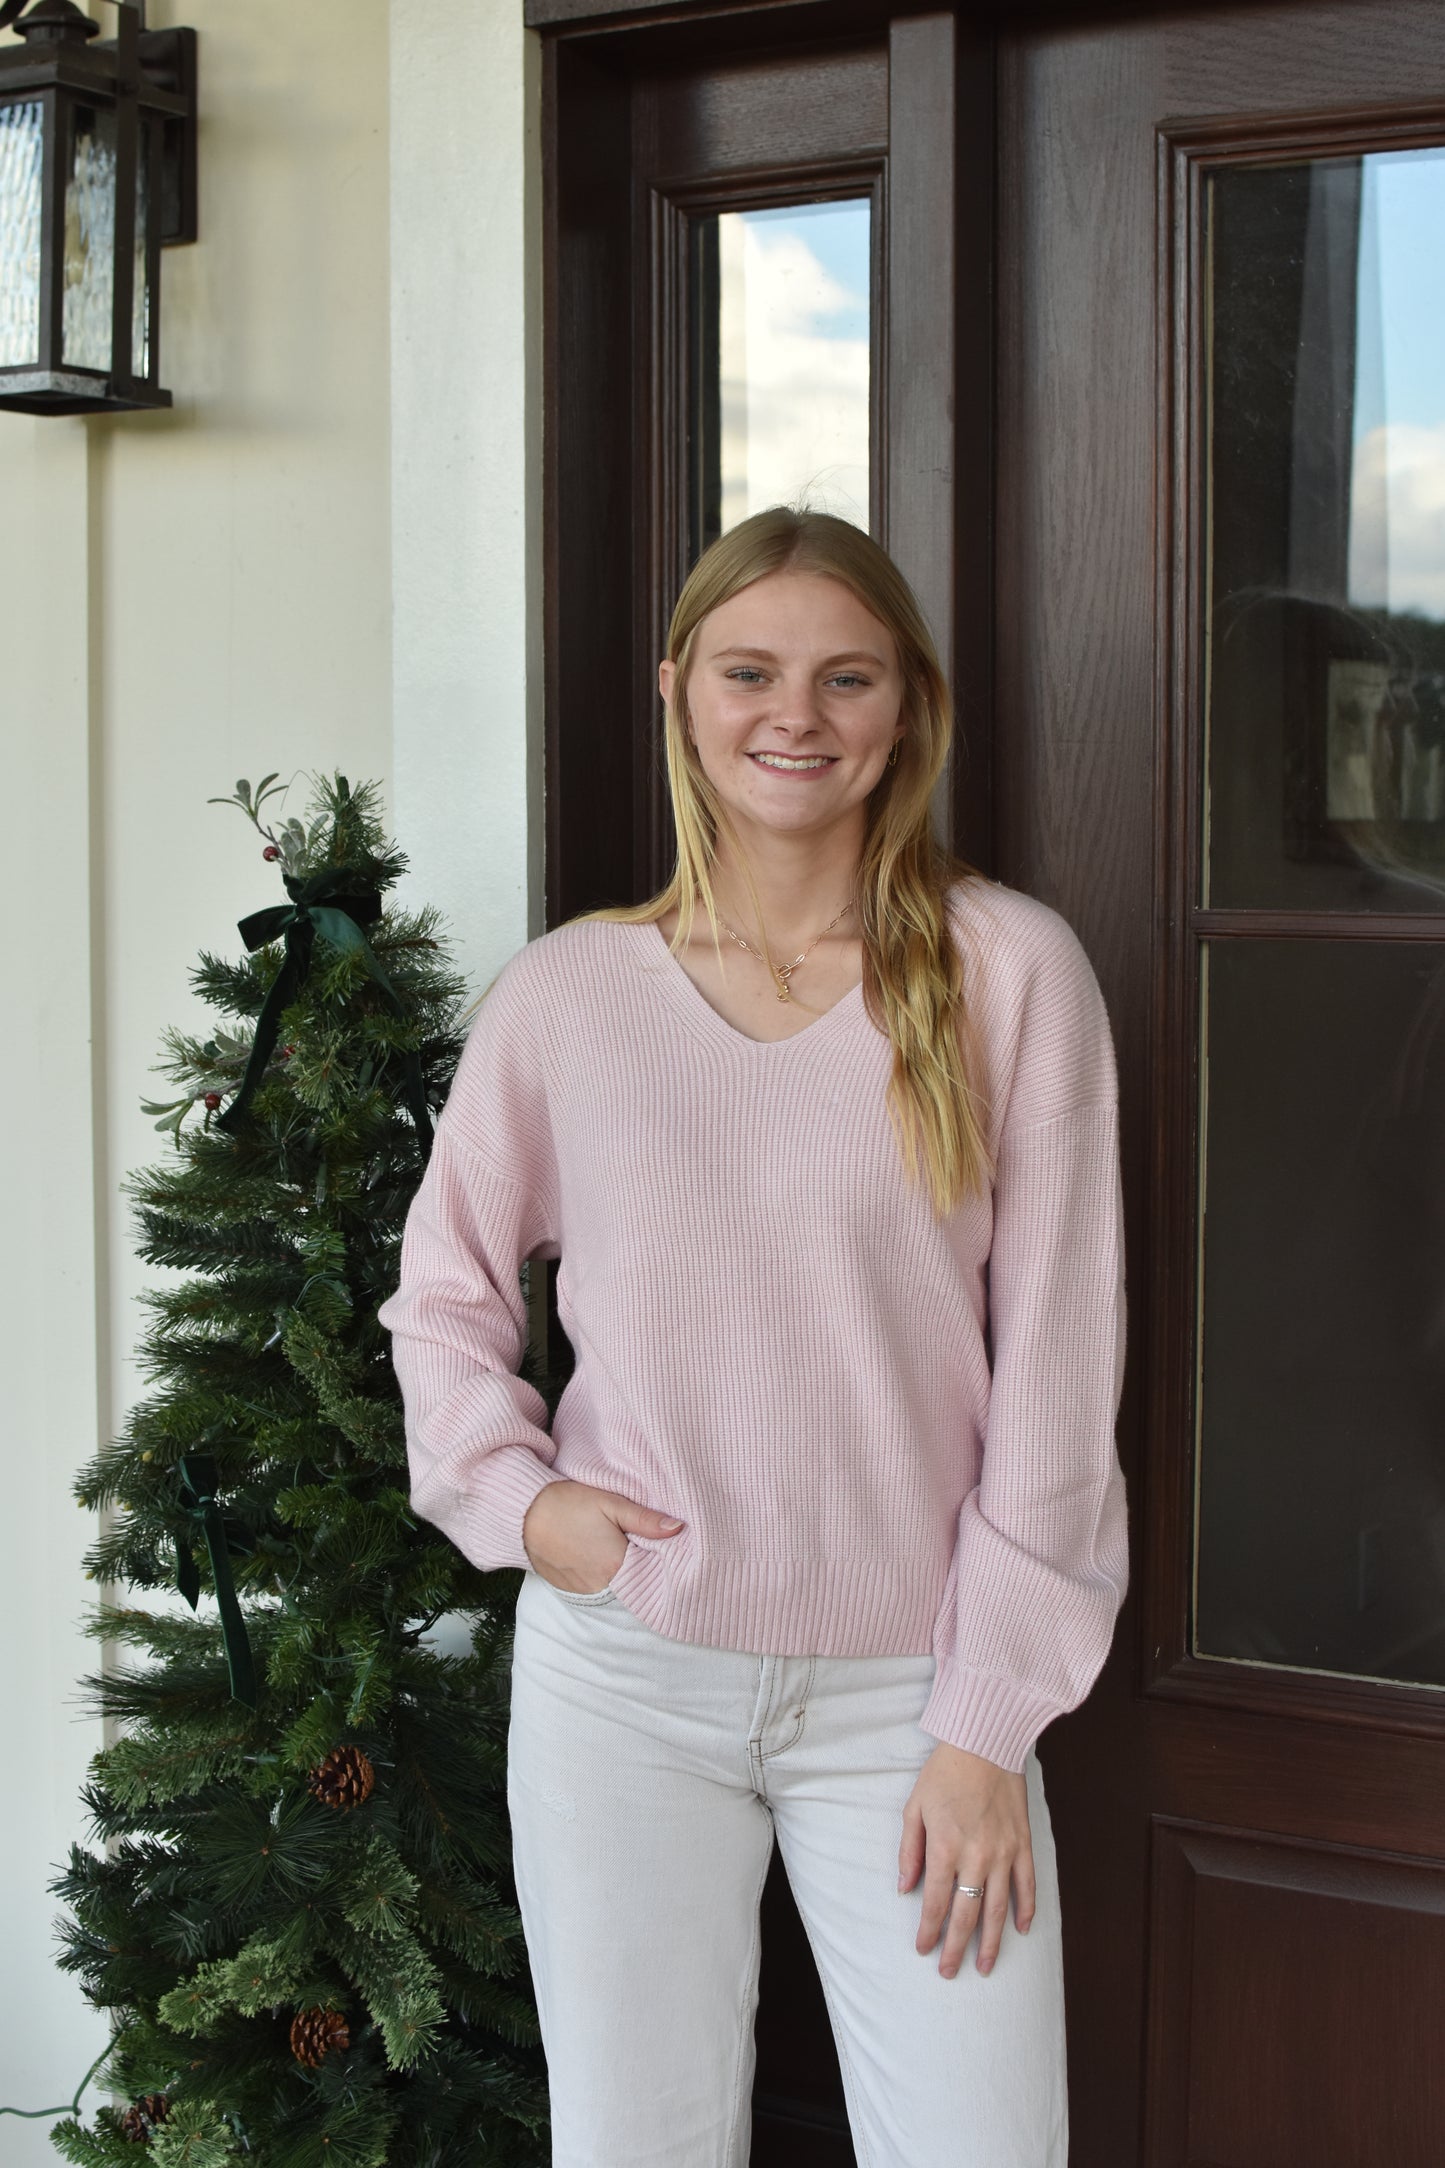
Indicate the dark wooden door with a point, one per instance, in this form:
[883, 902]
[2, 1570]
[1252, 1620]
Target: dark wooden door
[1220, 725]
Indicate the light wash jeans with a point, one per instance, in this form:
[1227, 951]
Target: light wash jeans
[646, 1780]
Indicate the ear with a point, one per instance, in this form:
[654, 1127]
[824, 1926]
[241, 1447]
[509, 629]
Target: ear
[666, 672]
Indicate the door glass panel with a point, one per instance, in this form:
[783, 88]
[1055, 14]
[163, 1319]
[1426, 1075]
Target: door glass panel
[1325, 549]
[780, 350]
[1320, 1406]
[1321, 1450]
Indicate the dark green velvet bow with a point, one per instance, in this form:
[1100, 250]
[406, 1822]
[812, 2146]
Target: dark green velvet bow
[318, 906]
[199, 1504]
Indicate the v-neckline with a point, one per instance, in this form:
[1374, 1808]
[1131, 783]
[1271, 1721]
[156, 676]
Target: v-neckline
[689, 999]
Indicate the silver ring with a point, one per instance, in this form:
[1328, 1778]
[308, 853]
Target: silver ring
[967, 1889]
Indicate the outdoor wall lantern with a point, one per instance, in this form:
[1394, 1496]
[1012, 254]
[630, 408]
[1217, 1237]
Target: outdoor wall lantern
[97, 169]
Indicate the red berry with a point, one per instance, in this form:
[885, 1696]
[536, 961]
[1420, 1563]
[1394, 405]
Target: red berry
[287, 1052]
[270, 851]
[213, 1100]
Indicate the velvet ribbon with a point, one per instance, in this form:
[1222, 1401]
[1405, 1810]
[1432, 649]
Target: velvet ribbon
[318, 906]
[199, 1504]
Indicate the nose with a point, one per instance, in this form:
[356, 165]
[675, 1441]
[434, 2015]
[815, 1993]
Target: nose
[800, 706]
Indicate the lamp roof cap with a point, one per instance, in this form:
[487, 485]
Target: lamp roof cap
[57, 22]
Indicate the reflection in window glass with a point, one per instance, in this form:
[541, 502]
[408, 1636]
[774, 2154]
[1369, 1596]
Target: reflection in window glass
[780, 344]
[1320, 1449]
[1326, 527]
[1320, 1527]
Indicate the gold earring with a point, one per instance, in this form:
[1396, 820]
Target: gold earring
[893, 755]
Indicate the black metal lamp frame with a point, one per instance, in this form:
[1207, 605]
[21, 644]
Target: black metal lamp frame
[140, 73]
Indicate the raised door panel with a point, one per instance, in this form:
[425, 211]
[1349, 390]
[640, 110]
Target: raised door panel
[1251, 2008]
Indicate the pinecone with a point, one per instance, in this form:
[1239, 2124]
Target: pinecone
[343, 1780]
[141, 2117]
[315, 2032]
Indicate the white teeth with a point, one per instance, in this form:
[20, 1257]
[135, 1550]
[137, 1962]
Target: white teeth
[773, 760]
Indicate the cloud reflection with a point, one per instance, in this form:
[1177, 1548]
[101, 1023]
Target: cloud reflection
[794, 371]
[1397, 521]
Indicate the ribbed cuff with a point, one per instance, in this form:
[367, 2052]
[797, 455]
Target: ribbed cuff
[485, 1522]
[984, 1714]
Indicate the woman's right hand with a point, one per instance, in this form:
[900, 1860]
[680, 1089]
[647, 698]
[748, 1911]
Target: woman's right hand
[576, 1535]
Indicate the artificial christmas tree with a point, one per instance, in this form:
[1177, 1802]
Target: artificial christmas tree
[304, 1923]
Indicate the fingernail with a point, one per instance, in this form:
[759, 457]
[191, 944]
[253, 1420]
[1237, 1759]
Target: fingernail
[668, 1522]
[903, 1881]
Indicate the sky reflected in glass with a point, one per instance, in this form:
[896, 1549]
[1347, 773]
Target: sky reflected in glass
[793, 353]
[1397, 496]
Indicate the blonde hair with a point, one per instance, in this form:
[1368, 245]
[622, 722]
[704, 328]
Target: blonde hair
[912, 968]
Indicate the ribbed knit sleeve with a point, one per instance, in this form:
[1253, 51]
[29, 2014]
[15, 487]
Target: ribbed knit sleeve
[1040, 1564]
[477, 1447]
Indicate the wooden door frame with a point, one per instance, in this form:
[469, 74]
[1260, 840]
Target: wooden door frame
[829, 18]
[611, 553]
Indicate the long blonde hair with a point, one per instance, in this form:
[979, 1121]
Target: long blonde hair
[912, 969]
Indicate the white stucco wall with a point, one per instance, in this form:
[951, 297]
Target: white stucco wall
[207, 593]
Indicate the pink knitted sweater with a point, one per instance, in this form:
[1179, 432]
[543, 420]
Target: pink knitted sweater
[886, 1434]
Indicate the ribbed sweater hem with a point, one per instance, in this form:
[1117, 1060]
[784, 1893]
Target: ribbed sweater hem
[832, 1607]
[781, 1606]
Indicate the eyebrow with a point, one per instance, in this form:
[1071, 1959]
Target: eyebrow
[763, 654]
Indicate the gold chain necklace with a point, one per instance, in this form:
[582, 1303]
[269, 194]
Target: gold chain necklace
[785, 971]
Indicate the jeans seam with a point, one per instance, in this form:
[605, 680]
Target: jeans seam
[757, 1759]
[754, 1959]
[865, 2158]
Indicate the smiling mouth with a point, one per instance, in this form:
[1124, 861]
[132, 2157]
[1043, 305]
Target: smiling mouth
[782, 765]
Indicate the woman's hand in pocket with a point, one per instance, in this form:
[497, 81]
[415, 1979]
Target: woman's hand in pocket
[576, 1534]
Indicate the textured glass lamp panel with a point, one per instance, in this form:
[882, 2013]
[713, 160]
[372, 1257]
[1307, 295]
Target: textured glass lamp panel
[140, 291]
[90, 241]
[20, 162]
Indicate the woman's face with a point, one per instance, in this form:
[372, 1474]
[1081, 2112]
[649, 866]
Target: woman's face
[793, 665]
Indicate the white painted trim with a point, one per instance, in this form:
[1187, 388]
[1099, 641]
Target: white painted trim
[54, 1383]
[466, 469]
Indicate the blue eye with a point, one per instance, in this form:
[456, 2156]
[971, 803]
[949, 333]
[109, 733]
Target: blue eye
[849, 677]
[746, 672]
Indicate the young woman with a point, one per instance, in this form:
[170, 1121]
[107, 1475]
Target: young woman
[830, 1522]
